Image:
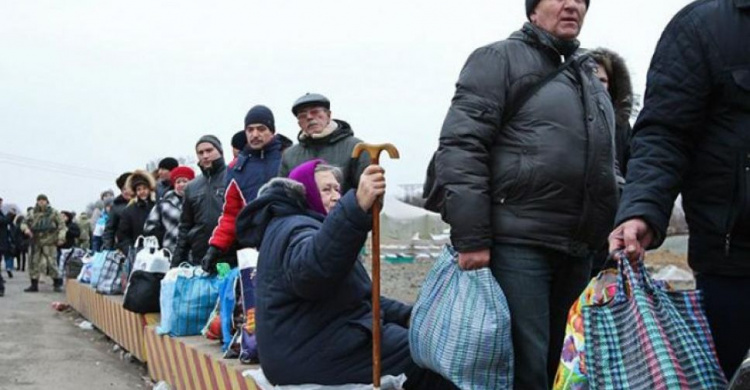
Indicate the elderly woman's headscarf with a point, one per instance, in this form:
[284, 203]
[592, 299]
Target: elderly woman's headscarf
[305, 174]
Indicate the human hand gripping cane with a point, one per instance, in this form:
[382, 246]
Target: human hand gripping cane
[374, 152]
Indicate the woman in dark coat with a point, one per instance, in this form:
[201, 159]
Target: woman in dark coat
[313, 311]
[134, 216]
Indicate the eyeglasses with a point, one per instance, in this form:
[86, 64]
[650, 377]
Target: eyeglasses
[314, 111]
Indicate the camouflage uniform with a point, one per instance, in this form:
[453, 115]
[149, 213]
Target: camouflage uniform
[49, 229]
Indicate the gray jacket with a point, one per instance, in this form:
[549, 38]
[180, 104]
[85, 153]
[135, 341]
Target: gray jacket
[547, 177]
[336, 149]
[201, 208]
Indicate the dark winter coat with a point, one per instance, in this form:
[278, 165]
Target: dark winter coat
[6, 236]
[108, 238]
[621, 91]
[335, 148]
[132, 220]
[23, 240]
[162, 187]
[312, 294]
[201, 208]
[548, 177]
[246, 174]
[71, 235]
[693, 136]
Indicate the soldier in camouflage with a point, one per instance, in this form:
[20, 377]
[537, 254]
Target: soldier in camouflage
[46, 229]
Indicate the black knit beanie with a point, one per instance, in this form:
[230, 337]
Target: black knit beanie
[531, 5]
[211, 139]
[168, 163]
[260, 115]
[239, 140]
[122, 179]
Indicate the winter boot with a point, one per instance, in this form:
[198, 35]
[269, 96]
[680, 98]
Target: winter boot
[34, 286]
[10, 274]
[57, 285]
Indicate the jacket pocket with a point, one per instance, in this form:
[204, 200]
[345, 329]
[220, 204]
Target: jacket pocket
[740, 88]
[512, 178]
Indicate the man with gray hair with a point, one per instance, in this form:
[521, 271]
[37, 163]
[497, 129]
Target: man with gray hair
[322, 137]
[526, 168]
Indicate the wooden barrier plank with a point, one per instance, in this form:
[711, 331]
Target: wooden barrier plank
[184, 362]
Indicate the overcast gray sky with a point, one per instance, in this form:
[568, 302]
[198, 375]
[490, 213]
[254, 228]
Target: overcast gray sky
[89, 89]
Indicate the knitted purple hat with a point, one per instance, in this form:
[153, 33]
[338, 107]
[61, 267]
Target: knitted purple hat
[305, 174]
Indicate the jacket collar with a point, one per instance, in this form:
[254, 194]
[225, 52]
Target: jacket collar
[216, 167]
[552, 45]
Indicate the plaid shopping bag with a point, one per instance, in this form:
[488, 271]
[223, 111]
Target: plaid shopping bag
[460, 326]
[571, 371]
[114, 275]
[649, 338]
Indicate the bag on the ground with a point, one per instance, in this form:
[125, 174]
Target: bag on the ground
[247, 260]
[194, 299]
[72, 262]
[114, 274]
[649, 338]
[96, 266]
[460, 326]
[166, 295]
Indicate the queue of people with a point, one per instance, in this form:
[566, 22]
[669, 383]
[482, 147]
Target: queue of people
[537, 171]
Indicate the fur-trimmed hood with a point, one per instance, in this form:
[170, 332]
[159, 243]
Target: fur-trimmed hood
[139, 177]
[620, 84]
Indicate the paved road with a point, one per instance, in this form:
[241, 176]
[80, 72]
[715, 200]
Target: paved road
[43, 349]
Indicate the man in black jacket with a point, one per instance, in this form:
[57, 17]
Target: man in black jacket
[693, 136]
[119, 204]
[203, 200]
[535, 192]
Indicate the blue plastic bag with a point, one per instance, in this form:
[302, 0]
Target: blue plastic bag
[166, 295]
[460, 326]
[227, 303]
[192, 303]
[96, 266]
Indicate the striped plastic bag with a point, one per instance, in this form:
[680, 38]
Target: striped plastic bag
[460, 326]
[649, 338]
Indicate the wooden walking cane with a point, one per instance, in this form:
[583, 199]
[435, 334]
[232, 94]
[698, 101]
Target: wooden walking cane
[374, 152]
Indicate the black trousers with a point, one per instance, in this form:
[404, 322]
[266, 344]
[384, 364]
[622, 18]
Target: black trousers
[727, 304]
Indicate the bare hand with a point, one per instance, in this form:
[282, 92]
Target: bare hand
[371, 186]
[633, 235]
[474, 260]
[29, 234]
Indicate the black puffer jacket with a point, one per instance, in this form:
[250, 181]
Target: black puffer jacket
[546, 178]
[131, 223]
[108, 238]
[335, 148]
[693, 135]
[201, 208]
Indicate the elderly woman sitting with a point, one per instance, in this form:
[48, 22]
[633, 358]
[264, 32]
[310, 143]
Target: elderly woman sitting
[313, 311]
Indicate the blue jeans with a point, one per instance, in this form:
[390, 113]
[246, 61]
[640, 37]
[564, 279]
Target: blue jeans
[8, 262]
[540, 285]
[96, 243]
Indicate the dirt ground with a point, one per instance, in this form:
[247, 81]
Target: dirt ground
[44, 349]
[402, 281]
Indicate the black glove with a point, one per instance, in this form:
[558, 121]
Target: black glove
[208, 263]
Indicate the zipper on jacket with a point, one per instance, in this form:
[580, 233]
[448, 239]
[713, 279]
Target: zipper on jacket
[727, 243]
